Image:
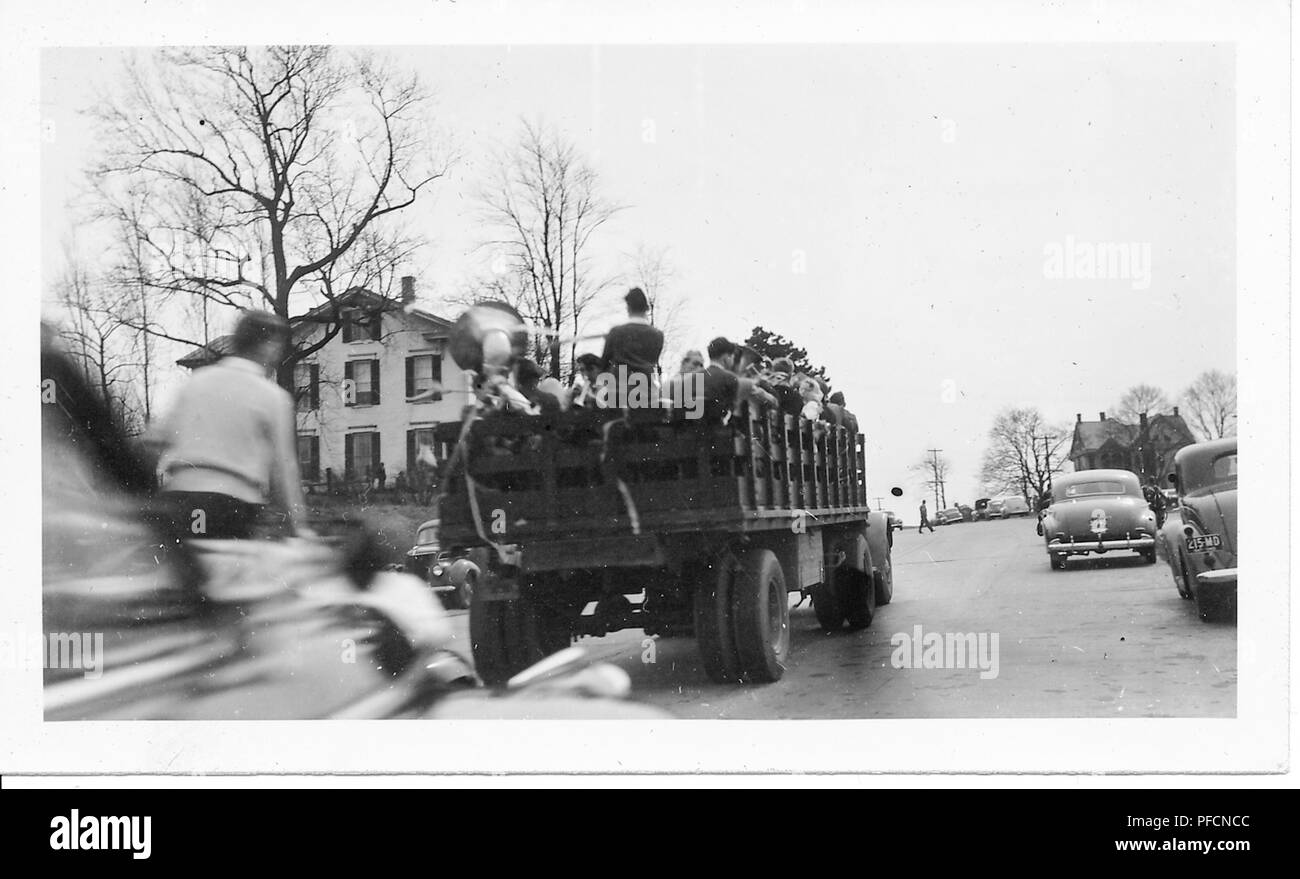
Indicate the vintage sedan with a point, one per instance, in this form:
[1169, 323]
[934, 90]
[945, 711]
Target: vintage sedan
[1008, 506]
[450, 576]
[947, 517]
[1098, 511]
[1203, 556]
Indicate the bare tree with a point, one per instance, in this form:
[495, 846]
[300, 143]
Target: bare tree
[274, 178]
[1140, 400]
[98, 337]
[1211, 401]
[545, 204]
[933, 468]
[1024, 453]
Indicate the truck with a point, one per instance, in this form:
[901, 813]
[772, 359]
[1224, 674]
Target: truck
[588, 522]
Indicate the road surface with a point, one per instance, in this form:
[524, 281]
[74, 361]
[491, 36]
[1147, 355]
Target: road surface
[1109, 637]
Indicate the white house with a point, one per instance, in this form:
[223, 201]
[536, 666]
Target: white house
[364, 397]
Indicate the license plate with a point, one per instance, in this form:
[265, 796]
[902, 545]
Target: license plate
[1203, 542]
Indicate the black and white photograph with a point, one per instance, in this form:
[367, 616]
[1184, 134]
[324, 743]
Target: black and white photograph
[424, 387]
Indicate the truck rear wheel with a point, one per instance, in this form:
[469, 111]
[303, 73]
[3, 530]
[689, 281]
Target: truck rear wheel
[508, 636]
[827, 605]
[760, 610]
[856, 586]
[713, 624]
[885, 582]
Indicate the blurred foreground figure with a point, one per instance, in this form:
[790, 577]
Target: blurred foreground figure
[229, 444]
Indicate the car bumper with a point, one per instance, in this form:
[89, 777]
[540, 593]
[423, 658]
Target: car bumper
[1070, 547]
[1225, 578]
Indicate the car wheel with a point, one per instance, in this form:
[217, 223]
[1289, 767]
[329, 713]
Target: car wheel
[1181, 579]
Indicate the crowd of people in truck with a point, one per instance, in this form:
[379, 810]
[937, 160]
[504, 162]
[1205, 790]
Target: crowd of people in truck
[713, 388]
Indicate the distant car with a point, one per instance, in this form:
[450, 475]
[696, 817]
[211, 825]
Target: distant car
[451, 576]
[981, 509]
[1203, 553]
[947, 517]
[1098, 511]
[967, 514]
[1007, 506]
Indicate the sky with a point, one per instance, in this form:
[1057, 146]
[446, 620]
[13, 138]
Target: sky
[919, 217]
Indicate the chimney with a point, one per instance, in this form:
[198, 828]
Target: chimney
[1142, 420]
[1103, 417]
[1175, 410]
[408, 289]
[1078, 418]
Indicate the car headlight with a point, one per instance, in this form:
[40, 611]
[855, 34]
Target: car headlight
[437, 570]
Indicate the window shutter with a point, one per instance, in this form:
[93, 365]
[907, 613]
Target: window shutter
[374, 453]
[315, 388]
[410, 377]
[376, 326]
[315, 457]
[437, 373]
[349, 464]
[410, 452]
[349, 385]
[374, 381]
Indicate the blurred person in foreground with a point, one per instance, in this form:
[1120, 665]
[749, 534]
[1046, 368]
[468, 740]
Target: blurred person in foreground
[228, 447]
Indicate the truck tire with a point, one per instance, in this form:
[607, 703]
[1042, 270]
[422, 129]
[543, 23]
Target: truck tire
[856, 586]
[507, 637]
[713, 626]
[827, 605]
[885, 582]
[760, 612]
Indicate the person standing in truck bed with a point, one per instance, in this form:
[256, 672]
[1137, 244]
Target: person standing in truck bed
[634, 345]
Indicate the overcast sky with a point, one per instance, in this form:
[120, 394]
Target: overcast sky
[893, 209]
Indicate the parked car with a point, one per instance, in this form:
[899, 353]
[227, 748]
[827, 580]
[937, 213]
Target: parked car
[1098, 511]
[451, 576]
[1203, 552]
[948, 516]
[967, 514]
[981, 509]
[1007, 506]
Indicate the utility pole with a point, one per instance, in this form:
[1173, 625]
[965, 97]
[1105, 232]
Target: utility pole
[879, 503]
[938, 481]
[1047, 455]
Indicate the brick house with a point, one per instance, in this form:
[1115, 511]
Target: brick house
[1146, 448]
[365, 397]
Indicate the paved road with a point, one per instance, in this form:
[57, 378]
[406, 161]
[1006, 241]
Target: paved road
[1109, 637]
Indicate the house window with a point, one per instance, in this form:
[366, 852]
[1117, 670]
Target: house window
[309, 457]
[361, 455]
[416, 439]
[361, 383]
[424, 373]
[360, 326]
[306, 386]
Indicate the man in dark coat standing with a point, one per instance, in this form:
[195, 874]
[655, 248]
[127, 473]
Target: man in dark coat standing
[634, 345]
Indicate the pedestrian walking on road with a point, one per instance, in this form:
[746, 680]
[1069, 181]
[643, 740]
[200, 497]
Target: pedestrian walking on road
[925, 520]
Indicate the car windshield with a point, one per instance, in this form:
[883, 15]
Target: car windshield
[1080, 489]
